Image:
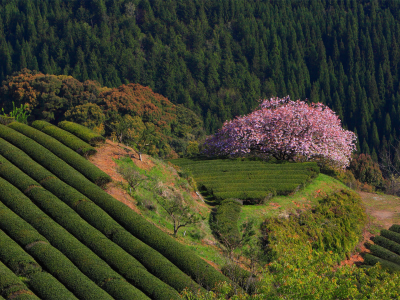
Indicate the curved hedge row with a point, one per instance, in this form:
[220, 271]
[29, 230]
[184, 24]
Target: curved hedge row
[225, 221]
[177, 253]
[21, 263]
[12, 287]
[88, 262]
[76, 161]
[49, 257]
[370, 259]
[387, 244]
[82, 132]
[111, 253]
[391, 235]
[155, 263]
[68, 139]
[384, 253]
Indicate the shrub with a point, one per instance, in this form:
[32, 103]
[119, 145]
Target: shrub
[48, 287]
[383, 253]
[225, 221]
[370, 259]
[11, 286]
[151, 259]
[49, 257]
[20, 262]
[65, 137]
[63, 152]
[89, 263]
[387, 244]
[366, 170]
[177, 253]
[391, 235]
[82, 132]
[248, 180]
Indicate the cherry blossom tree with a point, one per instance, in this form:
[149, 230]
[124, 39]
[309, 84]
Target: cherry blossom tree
[286, 130]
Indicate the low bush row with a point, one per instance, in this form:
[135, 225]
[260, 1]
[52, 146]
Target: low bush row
[177, 253]
[395, 228]
[155, 263]
[248, 179]
[82, 132]
[387, 244]
[391, 235]
[88, 262]
[61, 151]
[370, 259]
[383, 253]
[21, 263]
[49, 257]
[111, 253]
[225, 221]
[12, 287]
[68, 139]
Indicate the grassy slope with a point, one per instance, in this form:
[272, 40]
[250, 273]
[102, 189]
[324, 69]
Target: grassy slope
[199, 236]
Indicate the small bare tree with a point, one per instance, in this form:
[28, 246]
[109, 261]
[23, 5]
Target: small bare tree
[179, 212]
[132, 176]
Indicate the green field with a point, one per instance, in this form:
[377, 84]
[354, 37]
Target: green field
[63, 237]
[253, 181]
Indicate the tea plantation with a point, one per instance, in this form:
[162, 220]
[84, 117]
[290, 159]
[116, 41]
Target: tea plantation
[221, 179]
[63, 237]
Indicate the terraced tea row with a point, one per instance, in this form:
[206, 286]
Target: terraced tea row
[386, 249]
[247, 180]
[70, 227]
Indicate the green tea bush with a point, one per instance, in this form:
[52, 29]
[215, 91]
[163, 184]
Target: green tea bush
[383, 253]
[154, 262]
[395, 228]
[247, 180]
[76, 161]
[225, 220]
[387, 244]
[89, 263]
[49, 257]
[48, 287]
[391, 235]
[82, 132]
[370, 259]
[65, 137]
[12, 255]
[11, 286]
[177, 253]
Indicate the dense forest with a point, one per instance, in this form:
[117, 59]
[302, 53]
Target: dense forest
[219, 58]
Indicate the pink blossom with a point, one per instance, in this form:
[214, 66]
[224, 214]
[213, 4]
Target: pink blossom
[286, 129]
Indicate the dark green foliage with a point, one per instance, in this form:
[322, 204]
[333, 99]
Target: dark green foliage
[49, 257]
[150, 258]
[177, 253]
[65, 137]
[89, 263]
[63, 152]
[387, 244]
[20, 262]
[82, 132]
[395, 228]
[394, 236]
[372, 260]
[47, 287]
[246, 179]
[383, 253]
[11, 286]
[225, 221]
[66, 272]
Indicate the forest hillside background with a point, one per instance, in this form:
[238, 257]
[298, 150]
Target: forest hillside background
[218, 58]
